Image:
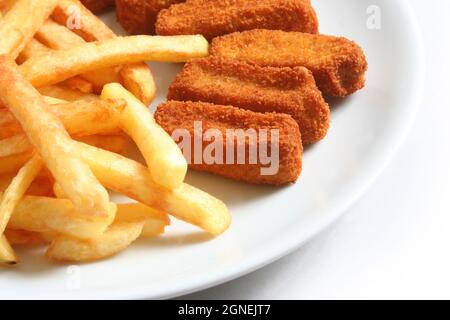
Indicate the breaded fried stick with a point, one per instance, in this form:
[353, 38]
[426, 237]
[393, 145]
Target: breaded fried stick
[338, 64]
[234, 143]
[262, 89]
[139, 16]
[213, 18]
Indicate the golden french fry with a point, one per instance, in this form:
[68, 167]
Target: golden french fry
[137, 78]
[17, 189]
[21, 22]
[63, 64]
[42, 214]
[59, 192]
[48, 135]
[52, 100]
[61, 92]
[33, 48]
[7, 255]
[113, 143]
[23, 238]
[165, 160]
[129, 177]
[80, 84]
[155, 221]
[13, 163]
[116, 239]
[80, 118]
[58, 37]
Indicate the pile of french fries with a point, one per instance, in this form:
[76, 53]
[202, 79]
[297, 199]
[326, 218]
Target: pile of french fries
[71, 94]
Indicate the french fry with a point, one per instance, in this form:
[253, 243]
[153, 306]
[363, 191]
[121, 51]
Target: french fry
[165, 160]
[129, 177]
[80, 84]
[43, 214]
[137, 78]
[14, 193]
[7, 255]
[155, 221]
[116, 239]
[21, 22]
[81, 118]
[58, 37]
[33, 48]
[61, 92]
[114, 143]
[46, 132]
[63, 64]
[13, 163]
[23, 238]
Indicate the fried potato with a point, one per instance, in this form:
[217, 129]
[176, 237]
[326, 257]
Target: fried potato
[165, 160]
[17, 189]
[137, 77]
[60, 92]
[80, 118]
[116, 239]
[80, 84]
[58, 37]
[43, 214]
[48, 135]
[13, 163]
[7, 255]
[63, 64]
[23, 238]
[114, 143]
[21, 22]
[155, 221]
[129, 177]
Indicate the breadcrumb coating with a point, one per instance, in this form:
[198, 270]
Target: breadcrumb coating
[261, 89]
[338, 64]
[213, 18]
[175, 115]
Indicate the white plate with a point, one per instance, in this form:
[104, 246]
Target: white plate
[268, 222]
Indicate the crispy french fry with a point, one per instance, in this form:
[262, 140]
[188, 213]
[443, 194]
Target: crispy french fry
[113, 143]
[58, 37]
[13, 163]
[61, 92]
[23, 238]
[52, 100]
[59, 193]
[17, 189]
[155, 221]
[33, 48]
[116, 239]
[7, 255]
[21, 22]
[165, 160]
[42, 214]
[137, 78]
[46, 132]
[81, 118]
[80, 84]
[134, 180]
[63, 64]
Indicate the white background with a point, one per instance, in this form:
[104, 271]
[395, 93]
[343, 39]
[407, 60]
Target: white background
[395, 242]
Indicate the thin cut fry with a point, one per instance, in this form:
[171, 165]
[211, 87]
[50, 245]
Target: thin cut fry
[7, 255]
[137, 78]
[46, 132]
[165, 160]
[61, 92]
[80, 118]
[114, 143]
[116, 239]
[21, 22]
[23, 238]
[63, 64]
[13, 163]
[129, 177]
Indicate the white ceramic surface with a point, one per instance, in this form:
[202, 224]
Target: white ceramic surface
[268, 222]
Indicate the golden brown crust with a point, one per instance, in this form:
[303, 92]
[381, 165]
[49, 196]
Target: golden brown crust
[213, 18]
[97, 6]
[262, 89]
[139, 16]
[181, 115]
[338, 64]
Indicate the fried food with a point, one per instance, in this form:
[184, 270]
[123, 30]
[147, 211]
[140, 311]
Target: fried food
[338, 64]
[261, 89]
[20, 23]
[48, 135]
[139, 16]
[236, 156]
[213, 18]
[63, 64]
[97, 6]
[163, 157]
